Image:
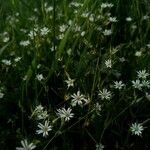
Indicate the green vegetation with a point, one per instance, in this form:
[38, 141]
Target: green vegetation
[74, 74]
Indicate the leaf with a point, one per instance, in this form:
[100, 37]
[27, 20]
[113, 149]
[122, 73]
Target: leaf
[4, 47]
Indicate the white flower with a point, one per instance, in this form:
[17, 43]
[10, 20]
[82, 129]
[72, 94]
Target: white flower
[99, 146]
[26, 146]
[44, 129]
[91, 18]
[82, 33]
[147, 96]
[107, 32]
[142, 74]
[44, 31]
[49, 9]
[98, 108]
[113, 19]
[145, 83]
[138, 53]
[78, 99]
[136, 128]
[24, 43]
[105, 94]
[128, 19]
[70, 82]
[1, 94]
[76, 4]
[6, 62]
[25, 78]
[39, 77]
[32, 34]
[110, 5]
[84, 15]
[148, 45]
[122, 59]
[136, 84]
[5, 39]
[17, 59]
[105, 5]
[63, 28]
[145, 17]
[133, 27]
[39, 109]
[65, 114]
[40, 113]
[43, 115]
[118, 85]
[61, 36]
[108, 63]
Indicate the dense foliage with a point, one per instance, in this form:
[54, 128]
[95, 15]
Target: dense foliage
[74, 74]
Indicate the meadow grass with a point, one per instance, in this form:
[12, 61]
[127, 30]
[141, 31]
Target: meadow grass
[74, 74]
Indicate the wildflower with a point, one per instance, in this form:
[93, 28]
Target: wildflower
[91, 18]
[148, 45]
[136, 84]
[105, 94]
[107, 32]
[98, 108]
[84, 15]
[78, 99]
[39, 77]
[87, 100]
[44, 31]
[63, 28]
[76, 4]
[61, 36]
[105, 5]
[145, 17]
[136, 128]
[17, 59]
[5, 39]
[119, 85]
[24, 43]
[42, 115]
[113, 19]
[6, 62]
[128, 19]
[82, 33]
[26, 146]
[99, 28]
[147, 96]
[70, 82]
[39, 66]
[44, 129]
[138, 53]
[1, 95]
[142, 74]
[49, 9]
[32, 34]
[145, 83]
[122, 59]
[99, 146]
[133, 27]
[108, 63]
[65, 114]
[25, 78]
[39, 109]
